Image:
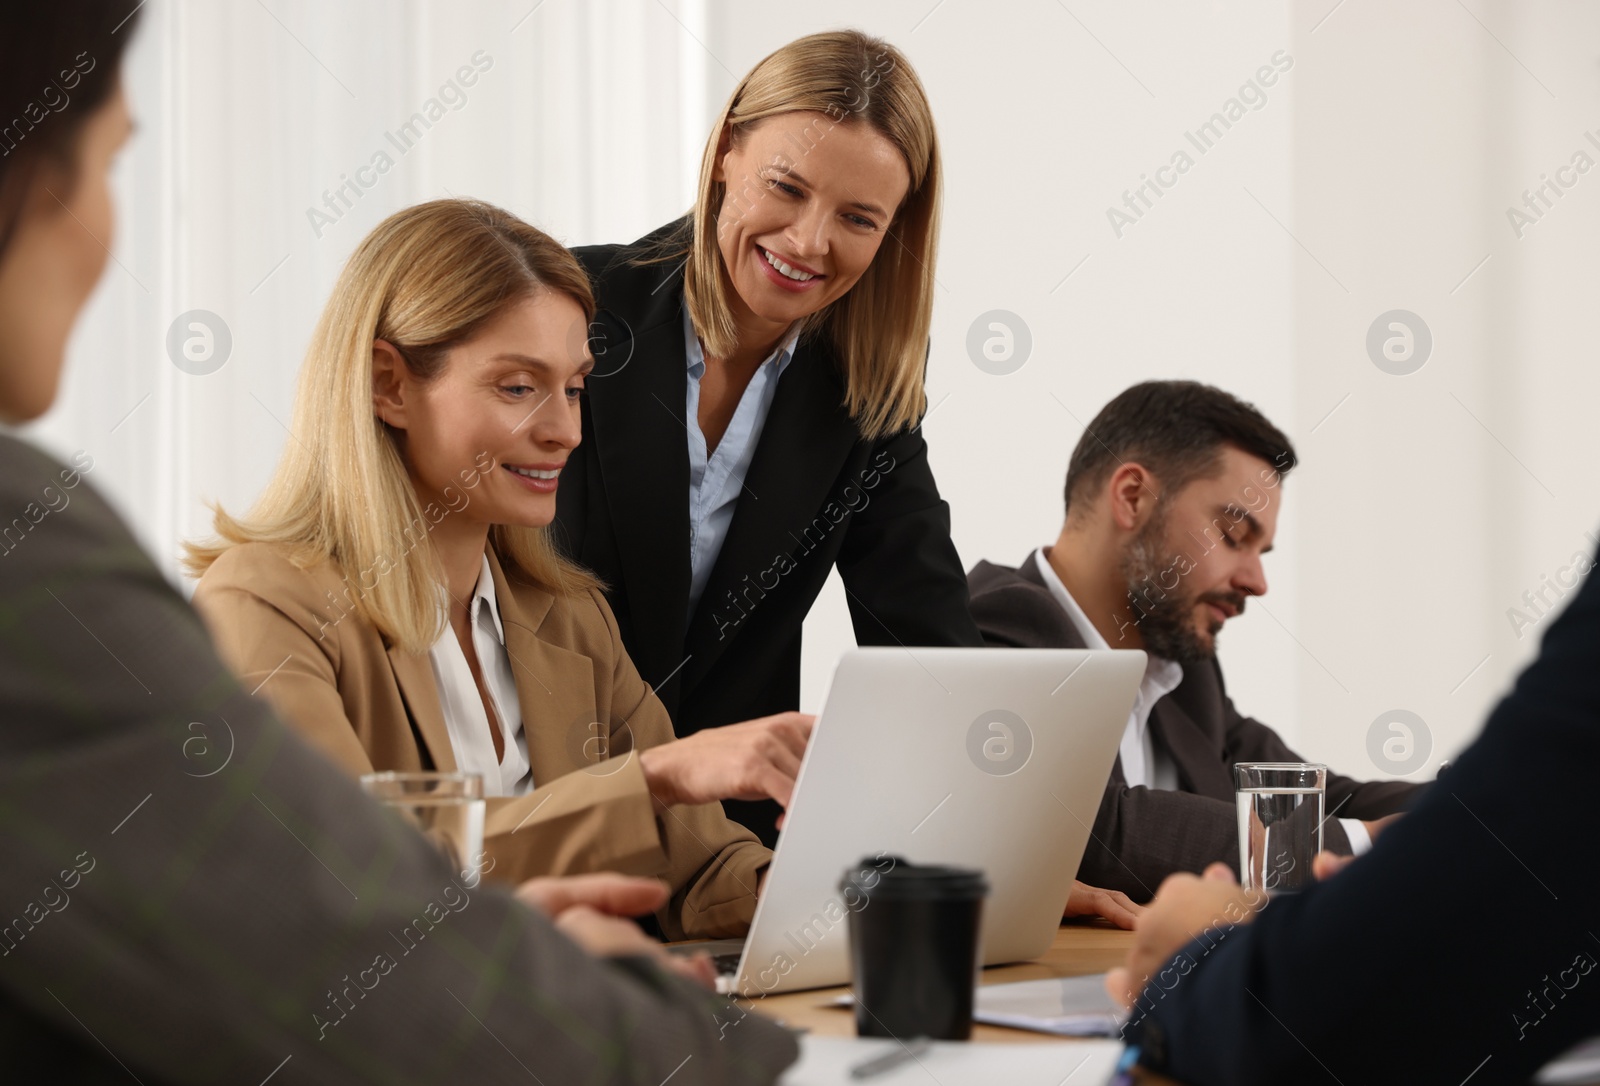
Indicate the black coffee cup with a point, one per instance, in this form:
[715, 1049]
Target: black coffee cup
[914, 947]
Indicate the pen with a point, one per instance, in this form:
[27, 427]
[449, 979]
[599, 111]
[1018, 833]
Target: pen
[1123, 1076]
[877, 1065]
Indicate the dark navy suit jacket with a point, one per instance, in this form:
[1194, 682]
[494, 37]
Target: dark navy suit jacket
[1465, 944]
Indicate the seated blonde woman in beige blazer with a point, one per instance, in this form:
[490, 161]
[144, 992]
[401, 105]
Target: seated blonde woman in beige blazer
[395, 597]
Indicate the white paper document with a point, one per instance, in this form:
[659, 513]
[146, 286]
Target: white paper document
[825, 1061]
[1066, 1006]
[1576, 1066]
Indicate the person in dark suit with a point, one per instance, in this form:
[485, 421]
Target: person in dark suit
[1172, 498]
[190, 893]
[754, 417]
[1405, 968]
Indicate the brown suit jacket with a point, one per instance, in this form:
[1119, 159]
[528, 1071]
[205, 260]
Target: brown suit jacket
[291, 634]
[1142, 835]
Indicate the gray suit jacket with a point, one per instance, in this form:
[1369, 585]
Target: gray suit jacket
[1142, 835]
[191, 895]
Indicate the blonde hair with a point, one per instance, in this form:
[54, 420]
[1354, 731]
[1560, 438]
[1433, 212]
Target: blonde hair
[880, 327]
[425, 280]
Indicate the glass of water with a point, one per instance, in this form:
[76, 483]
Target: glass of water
[1280, 822]
[447, 807]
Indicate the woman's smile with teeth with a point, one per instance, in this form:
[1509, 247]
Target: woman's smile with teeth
[785, 270]
[533, 473]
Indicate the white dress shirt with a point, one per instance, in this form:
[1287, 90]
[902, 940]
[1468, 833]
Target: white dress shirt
[716, 480]
[464, 715]
[1145, 762]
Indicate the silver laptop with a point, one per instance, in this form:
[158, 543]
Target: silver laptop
[987, 758]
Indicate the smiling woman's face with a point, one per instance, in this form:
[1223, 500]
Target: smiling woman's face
[53, 261]
[489, 434]
[808, 202]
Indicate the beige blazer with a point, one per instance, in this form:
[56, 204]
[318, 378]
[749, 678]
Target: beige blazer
[293, 636]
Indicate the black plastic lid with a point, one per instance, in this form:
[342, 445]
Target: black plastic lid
[890, 877]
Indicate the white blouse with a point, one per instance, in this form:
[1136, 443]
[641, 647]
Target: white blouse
[1143, 761]
[464, 715]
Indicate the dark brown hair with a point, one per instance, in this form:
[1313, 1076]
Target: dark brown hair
[1176, 429]
[59, 62]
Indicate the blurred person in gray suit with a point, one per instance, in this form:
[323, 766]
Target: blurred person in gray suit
[190, 894]
[1172, 498]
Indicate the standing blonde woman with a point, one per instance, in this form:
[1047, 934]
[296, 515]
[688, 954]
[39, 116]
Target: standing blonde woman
[160, 924]
[754, 416]
[394, 595]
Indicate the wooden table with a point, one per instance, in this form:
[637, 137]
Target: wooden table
[1079, 948]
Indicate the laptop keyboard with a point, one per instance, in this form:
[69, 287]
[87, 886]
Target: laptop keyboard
[724, 953]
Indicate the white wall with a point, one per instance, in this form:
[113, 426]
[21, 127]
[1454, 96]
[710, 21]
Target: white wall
[1431, 502]
[248, 113]
[1375, 177]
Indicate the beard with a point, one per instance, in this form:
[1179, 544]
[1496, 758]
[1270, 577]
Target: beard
[1165, 615]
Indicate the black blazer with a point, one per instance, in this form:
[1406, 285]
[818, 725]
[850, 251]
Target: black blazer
[1142, 835]
[817, 496]
[1464, 946]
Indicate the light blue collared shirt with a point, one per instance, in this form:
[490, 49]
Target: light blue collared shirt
[716, 480]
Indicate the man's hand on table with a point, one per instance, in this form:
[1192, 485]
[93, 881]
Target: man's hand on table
[1328, 864]
[1378, 825]
[1184, 906]
[592, 911]
[1113, 905]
